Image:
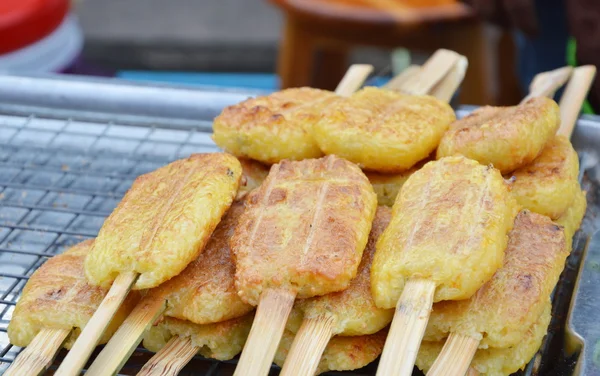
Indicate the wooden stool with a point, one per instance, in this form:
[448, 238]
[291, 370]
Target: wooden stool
[327, 29]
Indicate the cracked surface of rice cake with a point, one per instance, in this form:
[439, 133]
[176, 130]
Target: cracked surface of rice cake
[449, 224]
[505, 307]
[205, 291]
[274, 127]
[164, 220]
[341, 353]
[353, 309]
[493, 361]
[58, 296]
[222, 340]
[549, 184]
[304, 229]
[507, 137]
[382, 130]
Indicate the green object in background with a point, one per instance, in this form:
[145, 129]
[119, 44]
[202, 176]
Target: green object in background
[400, 60]
[572, 61]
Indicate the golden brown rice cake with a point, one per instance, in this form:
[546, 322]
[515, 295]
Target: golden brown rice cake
[164, 220]
[57, 296]
[507, 137]
[354, 310]
[205, 291]
[449, 225]
[548, 185]
[492, 361]
[222, 340]
[512, 301]
[275, 127]
[304, 229]
[382, 130]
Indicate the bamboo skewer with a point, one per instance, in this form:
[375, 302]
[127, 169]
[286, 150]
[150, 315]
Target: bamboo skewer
[127, 337]
[407, 329]
[417, 80]
[308, 346]
[459, 350]
[170, 359]
[354, 78]
[573, 97]
[314, 334]
[445, 89]
[456, 356]
[545, 84]
[91, 333]
[38, 356]
[272, 313]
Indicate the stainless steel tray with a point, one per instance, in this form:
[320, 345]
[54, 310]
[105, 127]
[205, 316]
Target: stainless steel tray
[70, 148]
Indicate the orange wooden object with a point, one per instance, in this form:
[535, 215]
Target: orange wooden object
[319, 34]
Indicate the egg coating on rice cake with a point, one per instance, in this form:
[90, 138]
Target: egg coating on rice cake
[506, 137]
[205, 291]
[549, 184]
[57, 296]
[353, 309]
[274, 127]
[164, 220]
[449, 225]
[382, 130]
[304, 229]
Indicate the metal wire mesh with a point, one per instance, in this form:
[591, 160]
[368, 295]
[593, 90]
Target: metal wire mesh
[58, 181]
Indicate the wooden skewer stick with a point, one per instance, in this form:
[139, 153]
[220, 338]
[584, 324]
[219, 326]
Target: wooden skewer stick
[407, 329]
[545, 84]
[472, 372]
[38, 356]
[432, 72]
[446, 88]
[272, 313]
[354, 78]
[91, 333]
[127, 337]
[573, 97]
[397, 82]
[456, 356]
[170, 359]
[308, 346]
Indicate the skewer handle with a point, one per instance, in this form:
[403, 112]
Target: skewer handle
[456, 356]
[128, 336]
[308, 346]
[354, 78]
[573, 97]
[90, 335]
[38, 356]
[272, 313]
[446, 88]
[407, 329]
[545, 84]
[431, 73]
[170, 359]
[397, 82]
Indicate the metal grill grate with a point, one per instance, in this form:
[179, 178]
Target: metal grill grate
[58, 181]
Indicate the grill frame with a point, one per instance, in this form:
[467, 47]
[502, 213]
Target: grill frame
[65, 161]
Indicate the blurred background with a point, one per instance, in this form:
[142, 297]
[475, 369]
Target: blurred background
[266, 45]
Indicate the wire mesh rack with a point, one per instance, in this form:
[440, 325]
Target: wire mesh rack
[59, 179]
